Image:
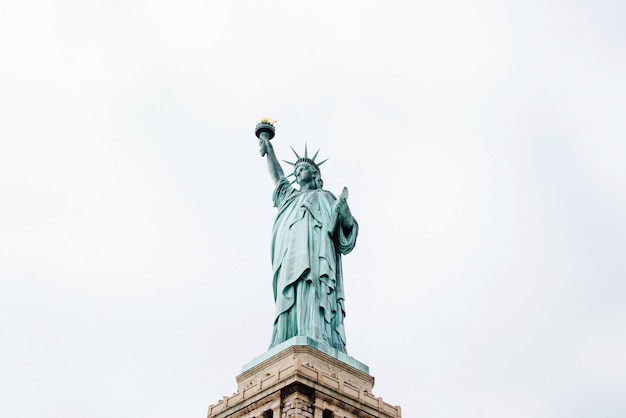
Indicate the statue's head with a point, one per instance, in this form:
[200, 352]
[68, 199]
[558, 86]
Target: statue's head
[305, 167]
[305, 172]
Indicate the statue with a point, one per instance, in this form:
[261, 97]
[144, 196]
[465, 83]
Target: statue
[311, 231]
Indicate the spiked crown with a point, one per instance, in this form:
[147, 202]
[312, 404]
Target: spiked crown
[306, 159]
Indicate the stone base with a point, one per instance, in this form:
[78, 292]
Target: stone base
[301, 381]
[309, 342]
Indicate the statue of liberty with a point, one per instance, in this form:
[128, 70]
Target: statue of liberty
[311, 231]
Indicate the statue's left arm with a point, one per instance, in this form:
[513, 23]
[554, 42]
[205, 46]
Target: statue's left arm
[346, 227]
[344, 214]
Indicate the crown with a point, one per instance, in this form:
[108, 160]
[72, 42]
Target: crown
[306, 159]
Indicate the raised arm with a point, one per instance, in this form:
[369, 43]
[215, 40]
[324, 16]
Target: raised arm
[266, 149]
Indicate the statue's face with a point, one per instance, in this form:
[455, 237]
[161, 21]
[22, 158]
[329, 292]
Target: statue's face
[305, 174]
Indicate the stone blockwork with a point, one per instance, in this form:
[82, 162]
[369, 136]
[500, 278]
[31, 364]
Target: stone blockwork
[302, 382]
[297, 405]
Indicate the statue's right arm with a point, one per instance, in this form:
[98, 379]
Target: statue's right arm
[276, 171]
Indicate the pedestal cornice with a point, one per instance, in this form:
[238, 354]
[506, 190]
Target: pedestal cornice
[328, 383]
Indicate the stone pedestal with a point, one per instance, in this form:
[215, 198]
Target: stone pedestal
[303, 379]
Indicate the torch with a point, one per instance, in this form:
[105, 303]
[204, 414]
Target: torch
[265, 129]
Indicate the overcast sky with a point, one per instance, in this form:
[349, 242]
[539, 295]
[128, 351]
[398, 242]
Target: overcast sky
[483, 143]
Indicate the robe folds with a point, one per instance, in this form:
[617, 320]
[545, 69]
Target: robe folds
[307, 244]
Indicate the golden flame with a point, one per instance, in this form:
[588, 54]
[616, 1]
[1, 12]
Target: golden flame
[268, 120]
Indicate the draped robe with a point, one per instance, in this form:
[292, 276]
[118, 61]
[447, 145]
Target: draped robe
[307, 243]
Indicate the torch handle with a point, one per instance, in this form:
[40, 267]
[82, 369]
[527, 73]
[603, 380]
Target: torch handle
[264, 141]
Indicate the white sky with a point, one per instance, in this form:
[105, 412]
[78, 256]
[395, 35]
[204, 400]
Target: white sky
[483, 143]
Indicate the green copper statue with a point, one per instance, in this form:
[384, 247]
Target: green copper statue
[312, 230]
